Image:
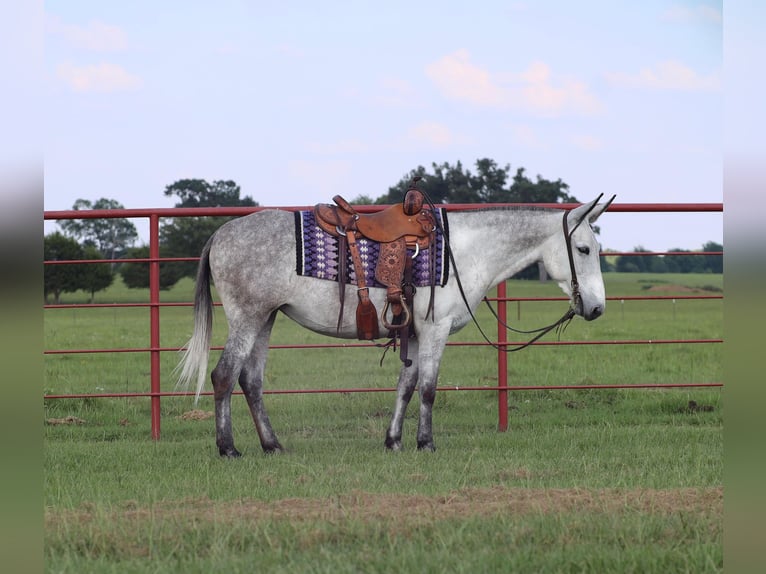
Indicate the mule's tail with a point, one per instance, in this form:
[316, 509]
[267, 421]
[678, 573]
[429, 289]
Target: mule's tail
[193, 363]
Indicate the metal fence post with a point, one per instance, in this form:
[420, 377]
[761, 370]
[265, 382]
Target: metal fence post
[502, 359]
[154, 320]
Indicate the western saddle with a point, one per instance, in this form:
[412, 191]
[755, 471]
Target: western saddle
[404, 225]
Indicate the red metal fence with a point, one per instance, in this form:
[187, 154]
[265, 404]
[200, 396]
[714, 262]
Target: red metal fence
[502, 388]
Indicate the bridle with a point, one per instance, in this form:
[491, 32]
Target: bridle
[576, 298]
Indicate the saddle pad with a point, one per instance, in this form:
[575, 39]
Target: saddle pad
[317, 254]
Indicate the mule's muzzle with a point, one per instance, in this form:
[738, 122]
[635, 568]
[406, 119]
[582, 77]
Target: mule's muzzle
[587, 313]
[594, 313]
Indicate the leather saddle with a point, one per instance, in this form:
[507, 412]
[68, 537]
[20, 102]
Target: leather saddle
[401, 226]
[390, 224]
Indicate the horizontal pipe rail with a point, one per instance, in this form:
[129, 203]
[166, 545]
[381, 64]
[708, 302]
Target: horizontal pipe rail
[392, 389]
[508, 299]
[372, 346]
[171, 212]
[190, 259]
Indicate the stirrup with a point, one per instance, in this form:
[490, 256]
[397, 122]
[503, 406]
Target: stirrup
[407, 316]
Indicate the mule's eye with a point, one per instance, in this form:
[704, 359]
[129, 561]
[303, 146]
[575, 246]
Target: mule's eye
[584, 249]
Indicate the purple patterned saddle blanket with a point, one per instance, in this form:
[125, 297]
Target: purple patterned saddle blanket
[317, 254]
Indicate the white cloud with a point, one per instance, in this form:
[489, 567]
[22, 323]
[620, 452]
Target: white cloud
[534, 90]
[324, 177]
[103, 77]
[538, 92]
[95, 36]
[291, 51]
[526, 136]
[702, 13]
[667, 75]
[397, 93]
[226, 49]
[339, 147]
[457, 78]
[586, 142]
[432, 133]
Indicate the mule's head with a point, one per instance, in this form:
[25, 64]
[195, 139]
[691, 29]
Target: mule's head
[574, 247]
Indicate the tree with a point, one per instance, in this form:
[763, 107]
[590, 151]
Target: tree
[200, 193]
[110, 236]
[94, 276]
[657, 264]
[136, 275]
[713, 263]
[186, 236]
[673, 263]
[69, 278]
[634, 263]
[362, 200]
[58, 279]
[696, 263]
[684, 263]
[489, 184]
[434, 185]
[606, 264]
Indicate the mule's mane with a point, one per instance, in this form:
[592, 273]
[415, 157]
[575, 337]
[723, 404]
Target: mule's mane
[508, 208]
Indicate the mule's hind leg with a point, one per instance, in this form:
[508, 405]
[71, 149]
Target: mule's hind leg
[251, 381]
[408, 378]
[235, 352]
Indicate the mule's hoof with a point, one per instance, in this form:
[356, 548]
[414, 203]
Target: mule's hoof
[273, 449]
[230, 452]
[394, 445]
[427, 446]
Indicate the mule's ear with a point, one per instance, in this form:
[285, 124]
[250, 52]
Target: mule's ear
[599, 209]
[591, 210]
[577, 214]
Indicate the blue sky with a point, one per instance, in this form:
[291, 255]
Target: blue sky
[298, 101]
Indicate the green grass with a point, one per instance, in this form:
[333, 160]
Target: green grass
[623, 541]
[116, 501]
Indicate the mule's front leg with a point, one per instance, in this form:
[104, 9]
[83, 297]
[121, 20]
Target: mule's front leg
[408, 378]
[429, 358]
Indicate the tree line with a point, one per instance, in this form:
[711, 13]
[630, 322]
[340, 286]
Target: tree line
[115, 239]
[672, 263]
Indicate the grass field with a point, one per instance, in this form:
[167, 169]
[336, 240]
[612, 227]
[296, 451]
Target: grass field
[584, 481]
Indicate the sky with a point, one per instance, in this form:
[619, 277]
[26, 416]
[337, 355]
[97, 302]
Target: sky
[299, 101]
